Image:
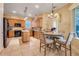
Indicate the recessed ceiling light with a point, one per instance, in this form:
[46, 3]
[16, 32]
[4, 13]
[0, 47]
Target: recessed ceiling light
[13, 11]
[37, 6]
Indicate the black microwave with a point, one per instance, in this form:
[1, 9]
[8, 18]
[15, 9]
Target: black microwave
[17, 24]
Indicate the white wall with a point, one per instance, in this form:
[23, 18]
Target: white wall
[1, 26]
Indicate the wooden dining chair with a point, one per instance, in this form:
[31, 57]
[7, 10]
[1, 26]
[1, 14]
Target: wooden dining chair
[66, 43]
[44, 42]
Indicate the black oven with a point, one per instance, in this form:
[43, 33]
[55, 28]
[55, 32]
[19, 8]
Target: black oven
[17, 25]
[17, 33]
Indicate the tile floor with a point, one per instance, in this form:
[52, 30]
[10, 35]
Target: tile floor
[16, 48]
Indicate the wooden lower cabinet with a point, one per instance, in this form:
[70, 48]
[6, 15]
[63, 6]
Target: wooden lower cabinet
[25, 36]
[11, 34]
[36, 34]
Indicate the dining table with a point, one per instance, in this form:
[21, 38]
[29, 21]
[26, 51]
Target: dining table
[53, 36]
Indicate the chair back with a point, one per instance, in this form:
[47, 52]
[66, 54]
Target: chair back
[70, 37]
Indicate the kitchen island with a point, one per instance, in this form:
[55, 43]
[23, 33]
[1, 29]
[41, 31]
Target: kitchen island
[25, 36]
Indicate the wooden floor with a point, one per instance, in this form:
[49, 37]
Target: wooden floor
[16, 48]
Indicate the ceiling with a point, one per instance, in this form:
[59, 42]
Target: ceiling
[18, 8]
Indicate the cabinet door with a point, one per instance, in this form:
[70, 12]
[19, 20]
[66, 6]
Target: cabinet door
[36, 34]
[22, 24]
[11, 22]
[11, 34]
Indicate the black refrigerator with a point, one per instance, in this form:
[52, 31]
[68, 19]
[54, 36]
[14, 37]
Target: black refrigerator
[5, 32]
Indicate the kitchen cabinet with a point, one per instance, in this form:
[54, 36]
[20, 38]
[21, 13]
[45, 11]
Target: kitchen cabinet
[25, 36]
[36, 34]
[11, 22]
[11, 34]
[12, 26]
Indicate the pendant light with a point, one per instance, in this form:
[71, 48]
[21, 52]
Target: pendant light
[25, 12]
[52, 12]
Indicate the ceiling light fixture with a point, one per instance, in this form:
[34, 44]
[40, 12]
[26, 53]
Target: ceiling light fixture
[25, 11]
[52, 12]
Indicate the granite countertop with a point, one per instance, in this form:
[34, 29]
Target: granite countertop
[16, 28]
[36, 29]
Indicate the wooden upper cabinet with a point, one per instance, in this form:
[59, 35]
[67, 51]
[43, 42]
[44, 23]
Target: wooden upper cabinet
[22, 23]
[13, 21]
[11, 34]
[39, 22]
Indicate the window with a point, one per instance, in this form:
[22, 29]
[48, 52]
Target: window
[55, 24]
[77, 21]
[28, 24]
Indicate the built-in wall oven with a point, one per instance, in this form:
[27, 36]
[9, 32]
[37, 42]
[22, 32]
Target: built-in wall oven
[17, 33]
